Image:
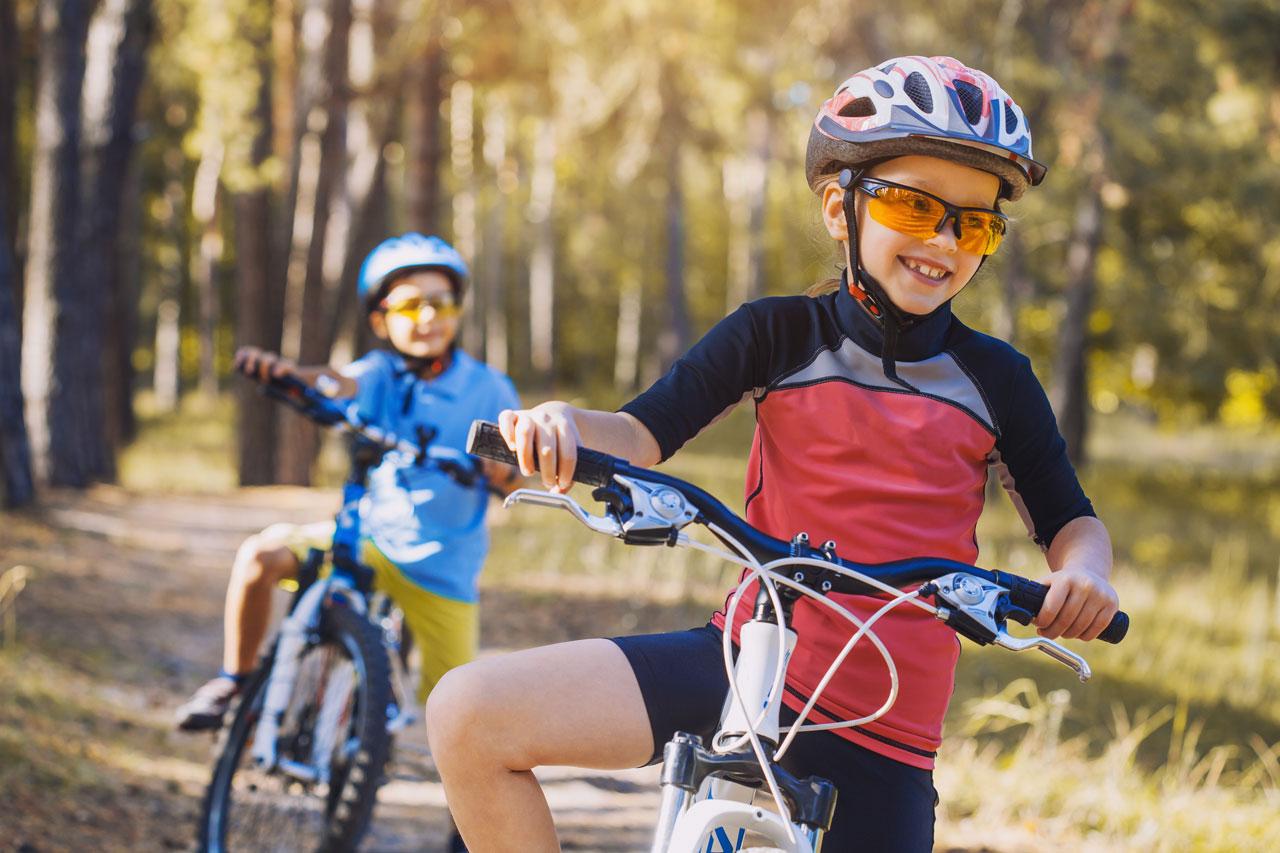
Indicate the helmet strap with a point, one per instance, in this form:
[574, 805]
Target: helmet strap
[869, 293]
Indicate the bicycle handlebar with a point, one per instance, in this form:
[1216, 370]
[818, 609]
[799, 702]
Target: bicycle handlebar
[599, 469]
[325, 411]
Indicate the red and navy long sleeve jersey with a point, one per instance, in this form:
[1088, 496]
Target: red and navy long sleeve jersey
[888, 470]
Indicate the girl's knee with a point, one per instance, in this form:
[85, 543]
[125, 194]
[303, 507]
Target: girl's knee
[457, 708]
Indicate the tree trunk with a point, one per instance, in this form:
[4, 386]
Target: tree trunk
[488, 280]
[8, 126]
[204, 261]
[15, 452]
[259, 301]
[462, 156]
[1070, 374]
[116, 66]
[166, 379]
[324, 80]
[542, 261]
[746, 190]
[423, 132]
[353, 228]
[61, 358]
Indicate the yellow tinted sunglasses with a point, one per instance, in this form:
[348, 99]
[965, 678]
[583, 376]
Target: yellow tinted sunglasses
[443, 306]
[919, 214]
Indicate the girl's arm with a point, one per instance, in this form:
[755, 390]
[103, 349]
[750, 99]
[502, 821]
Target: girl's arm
[553, 431]
[1081, 600]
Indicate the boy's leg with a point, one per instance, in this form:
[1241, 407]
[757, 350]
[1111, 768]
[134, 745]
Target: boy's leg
[492, 721]
[445, 631]
[262, 561]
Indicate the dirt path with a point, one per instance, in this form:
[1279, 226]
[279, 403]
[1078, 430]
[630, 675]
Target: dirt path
[122, 618]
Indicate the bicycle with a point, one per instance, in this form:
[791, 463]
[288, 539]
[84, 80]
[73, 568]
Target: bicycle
[301, 762]
[708, 791]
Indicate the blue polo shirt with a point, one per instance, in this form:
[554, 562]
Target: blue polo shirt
[431, 527]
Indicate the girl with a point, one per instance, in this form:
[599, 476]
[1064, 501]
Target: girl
[878, 414]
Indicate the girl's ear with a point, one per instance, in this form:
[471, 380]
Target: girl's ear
[833, 211]
[378, 323]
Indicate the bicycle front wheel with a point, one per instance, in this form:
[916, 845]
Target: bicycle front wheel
[332, 739]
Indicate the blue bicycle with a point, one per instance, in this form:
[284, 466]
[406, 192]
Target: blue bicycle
[300, 765]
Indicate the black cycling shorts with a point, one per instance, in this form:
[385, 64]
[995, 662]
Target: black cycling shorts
[883, 805]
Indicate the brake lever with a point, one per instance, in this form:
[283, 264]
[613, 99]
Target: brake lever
[598, 523]
[1054, 650]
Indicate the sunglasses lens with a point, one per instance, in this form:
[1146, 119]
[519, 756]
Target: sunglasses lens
[917, 215]
[905, 211]
[980, 233]
[442, 307]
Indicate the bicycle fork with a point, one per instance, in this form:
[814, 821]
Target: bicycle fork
[295, 632]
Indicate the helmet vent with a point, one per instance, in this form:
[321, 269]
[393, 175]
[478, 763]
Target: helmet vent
[917, 89]
[1010, 118]
[858, 108]
[970, 100]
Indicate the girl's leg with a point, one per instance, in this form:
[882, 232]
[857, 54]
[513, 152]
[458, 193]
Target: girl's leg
[492, 721]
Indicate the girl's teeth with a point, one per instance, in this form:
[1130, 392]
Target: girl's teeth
[931, 272]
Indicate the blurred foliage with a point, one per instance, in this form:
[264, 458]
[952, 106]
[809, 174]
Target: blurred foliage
[1185, 320]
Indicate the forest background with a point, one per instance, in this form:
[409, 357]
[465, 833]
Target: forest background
[179, 178]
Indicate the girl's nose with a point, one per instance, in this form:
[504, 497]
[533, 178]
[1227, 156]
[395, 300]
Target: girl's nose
[945, 237]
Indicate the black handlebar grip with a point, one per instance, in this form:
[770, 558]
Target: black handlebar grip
[1029, 595]
[484, 440]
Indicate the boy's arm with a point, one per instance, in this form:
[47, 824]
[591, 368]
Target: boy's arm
[269, 365]
[1081, 600]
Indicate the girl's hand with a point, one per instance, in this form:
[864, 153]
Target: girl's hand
[264, 365]
[549, 433]
[1079, 605]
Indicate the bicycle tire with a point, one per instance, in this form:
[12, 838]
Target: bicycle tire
[342, 816]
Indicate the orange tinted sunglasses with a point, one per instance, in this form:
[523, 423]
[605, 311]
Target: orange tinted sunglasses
[919, 214]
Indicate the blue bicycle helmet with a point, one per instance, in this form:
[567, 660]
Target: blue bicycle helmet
[409, 252]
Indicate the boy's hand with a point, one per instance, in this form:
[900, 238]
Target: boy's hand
[1079, 605]
[263, 365]
[548, 433]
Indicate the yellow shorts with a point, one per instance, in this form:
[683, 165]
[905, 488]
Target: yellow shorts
[446, 631]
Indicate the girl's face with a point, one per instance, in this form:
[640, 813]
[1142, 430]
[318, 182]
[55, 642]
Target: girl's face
[419, 314]
[917, 274]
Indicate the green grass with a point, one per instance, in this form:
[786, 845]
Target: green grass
[1171, 746]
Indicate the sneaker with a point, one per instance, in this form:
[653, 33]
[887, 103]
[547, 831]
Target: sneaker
[208, 705]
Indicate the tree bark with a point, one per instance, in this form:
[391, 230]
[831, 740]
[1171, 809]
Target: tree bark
[204, 261]
[746, 190]
[8, 124]
[1070, 374]
[61, 358]
[166, 379]
[462, 156]
[324, 78]
[542, 261]
[15, 452]
[259, 300]
[488, 278]
[119, 36]
[423, 131]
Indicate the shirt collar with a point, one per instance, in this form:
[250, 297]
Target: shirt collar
[924, 340]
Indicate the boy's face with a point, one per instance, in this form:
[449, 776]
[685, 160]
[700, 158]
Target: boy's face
[918, 274]
[419, 315]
